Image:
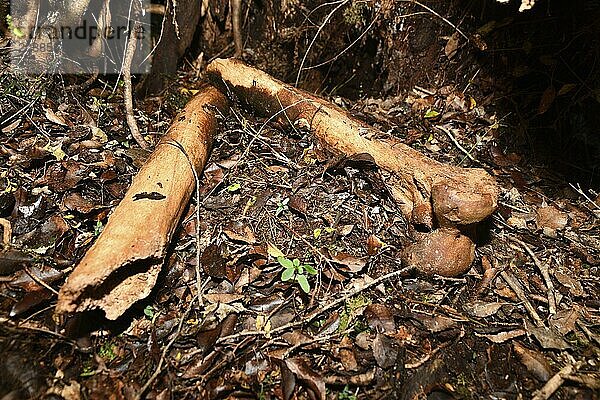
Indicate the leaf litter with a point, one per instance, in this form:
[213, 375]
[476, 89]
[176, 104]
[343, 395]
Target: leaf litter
[283, 237]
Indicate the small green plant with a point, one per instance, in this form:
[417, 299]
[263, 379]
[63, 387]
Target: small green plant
[282, 205]
[149, 312]
[88, 369]
[16, 31]
[98, 228]
[234, 187]
[107, 351]
[295, 270]
[347, 394]
[350, 312]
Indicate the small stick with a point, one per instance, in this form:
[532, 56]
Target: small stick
[39, 281]
[319, 311]
[458, 145]
[543, 267]
[128, 96]
[236, 12]
[163, 355]
[516, 287]
[555, 382]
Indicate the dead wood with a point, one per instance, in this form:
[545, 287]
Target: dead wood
[123, 264]
[427, 191]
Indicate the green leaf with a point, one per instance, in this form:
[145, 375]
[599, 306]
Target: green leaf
[431, 114]
[285, 262]
[304, 285]
[234, 187]
[310, 269]
[149, 312]
[300, 269]
[287, 274]
[296, 262]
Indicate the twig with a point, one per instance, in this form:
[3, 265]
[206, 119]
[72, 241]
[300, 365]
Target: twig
[128, 96]
[236, 12]
[516, 287]
[199, 287]
[439, 16]
[543, 267]
[163, 356]
[555, 382]
[315, 38]
[39, 281]
[581, 192]
[319, 311]
[458, 145]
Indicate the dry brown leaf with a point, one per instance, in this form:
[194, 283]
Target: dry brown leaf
[564, 321]
[482, 309]
[353, 264]
[572, 284]
[384, 351]
[504, 336]
[548, 338]
[452, 45]
[307, 376]
[534, 361]
[240, 232]
[552, 218]
[547, 99]
[374, 245]
[437, 323]
[225, 298]
[54, 118]
[380, 318]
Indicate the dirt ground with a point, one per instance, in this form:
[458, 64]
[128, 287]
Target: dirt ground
[524, 317]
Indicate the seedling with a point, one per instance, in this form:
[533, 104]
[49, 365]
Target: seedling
[295, 270]
[149, 312]
[282, 205]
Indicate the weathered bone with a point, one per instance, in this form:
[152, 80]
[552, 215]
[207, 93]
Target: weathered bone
[427, 191]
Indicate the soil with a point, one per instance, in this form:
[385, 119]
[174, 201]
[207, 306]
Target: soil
[271, 195]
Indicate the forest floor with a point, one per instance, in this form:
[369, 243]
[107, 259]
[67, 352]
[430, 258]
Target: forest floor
[526, 313]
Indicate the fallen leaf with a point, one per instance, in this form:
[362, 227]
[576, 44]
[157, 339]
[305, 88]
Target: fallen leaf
[534, 361]
[344, 230]
[238, 231]
[548, 338]
[384, 351]
[352, 264]
[11, 127]
[54, 118]
[482, 309]
[546, 100]
[437, 323]
[380, 318]
[452, 46]
[298, 204]
[223, 297]
[313, 381]
[552, 218]
[572, 284]
[273, 251]
[374, 245]
[564, 321]
[502, 337]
